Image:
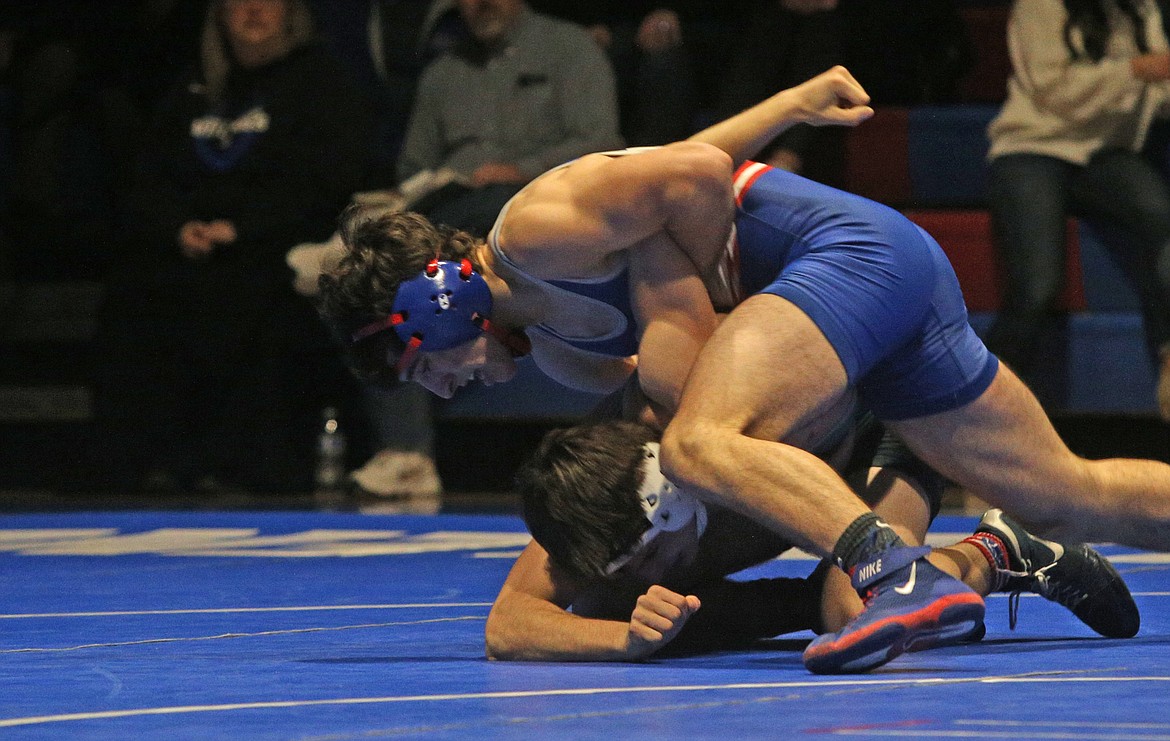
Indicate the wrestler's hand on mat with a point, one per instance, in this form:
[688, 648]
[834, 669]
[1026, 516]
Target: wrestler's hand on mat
[658, 617]
[832, 98]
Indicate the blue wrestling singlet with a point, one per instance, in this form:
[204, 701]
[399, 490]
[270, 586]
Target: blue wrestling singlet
[880, 289]
[605, 295]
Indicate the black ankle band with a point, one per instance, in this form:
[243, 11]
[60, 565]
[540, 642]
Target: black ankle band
[864, 537]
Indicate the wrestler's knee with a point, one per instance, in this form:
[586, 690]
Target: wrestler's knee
[688, 449]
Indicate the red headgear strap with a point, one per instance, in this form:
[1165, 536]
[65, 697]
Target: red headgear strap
[377, 326]
[516, 342]
[406, 359]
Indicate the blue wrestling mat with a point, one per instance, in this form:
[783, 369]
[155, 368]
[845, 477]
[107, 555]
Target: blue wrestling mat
[274, 625]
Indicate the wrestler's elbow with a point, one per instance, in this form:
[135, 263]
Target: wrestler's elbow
[499, 639]
[707, 162]
[697, 164]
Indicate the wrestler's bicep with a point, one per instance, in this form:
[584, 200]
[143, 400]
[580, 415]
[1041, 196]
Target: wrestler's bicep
[674, 314]
[535, 576]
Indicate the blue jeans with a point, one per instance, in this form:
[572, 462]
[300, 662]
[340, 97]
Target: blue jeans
[1031, 197]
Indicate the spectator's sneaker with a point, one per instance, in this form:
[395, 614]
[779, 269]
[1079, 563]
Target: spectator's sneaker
[395, 474]
[1070, 574]
[909, 605]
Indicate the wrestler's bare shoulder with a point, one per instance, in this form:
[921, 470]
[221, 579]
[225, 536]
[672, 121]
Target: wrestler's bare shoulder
[550, 231]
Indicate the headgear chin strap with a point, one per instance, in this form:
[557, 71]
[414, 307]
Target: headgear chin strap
[667, 508]
[445, 305]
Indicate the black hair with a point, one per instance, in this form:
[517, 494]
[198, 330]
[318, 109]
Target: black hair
[579, 491]
[1091, 19]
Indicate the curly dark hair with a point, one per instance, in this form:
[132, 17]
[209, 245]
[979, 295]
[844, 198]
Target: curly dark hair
[580, 494]
[381, 251]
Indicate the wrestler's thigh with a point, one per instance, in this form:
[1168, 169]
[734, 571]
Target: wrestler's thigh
[766, 371]
[1002, 448]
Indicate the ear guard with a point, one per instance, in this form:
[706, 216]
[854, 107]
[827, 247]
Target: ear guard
[667, 508]
[445, 305]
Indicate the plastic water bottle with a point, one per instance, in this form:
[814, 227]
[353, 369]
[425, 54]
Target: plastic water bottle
[330, 471]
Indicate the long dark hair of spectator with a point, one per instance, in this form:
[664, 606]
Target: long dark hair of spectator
[1092, 20]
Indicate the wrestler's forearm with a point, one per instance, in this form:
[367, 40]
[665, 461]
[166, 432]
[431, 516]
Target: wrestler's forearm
[743, 136]
[523, 628]
[832, 98]
[674, 315]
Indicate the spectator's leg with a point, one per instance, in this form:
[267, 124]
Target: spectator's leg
[1029, 209]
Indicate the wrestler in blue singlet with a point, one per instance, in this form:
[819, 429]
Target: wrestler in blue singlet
[880, 289]
[608, 294]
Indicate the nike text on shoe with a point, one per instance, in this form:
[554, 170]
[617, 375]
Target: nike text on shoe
[909, 605]
[1070, 574]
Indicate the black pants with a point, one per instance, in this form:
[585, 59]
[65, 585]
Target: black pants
[1031, 197]
[212, 368]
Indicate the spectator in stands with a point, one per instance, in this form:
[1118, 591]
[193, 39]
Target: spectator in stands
[1088, 79]
[385, 44]
[210, 360]
[519, 93]
[82, 77]
[668, 55]
[787, 42]
[524, 93]
[548, 96]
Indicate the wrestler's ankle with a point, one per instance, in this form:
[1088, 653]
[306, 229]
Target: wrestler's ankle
[865, 537]
[966, 563]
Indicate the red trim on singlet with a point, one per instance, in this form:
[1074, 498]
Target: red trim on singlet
[745, 177]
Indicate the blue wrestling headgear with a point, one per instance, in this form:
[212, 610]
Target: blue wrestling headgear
[667, 508]
[445, 305]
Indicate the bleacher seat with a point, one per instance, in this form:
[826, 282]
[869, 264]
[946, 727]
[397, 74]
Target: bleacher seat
[965, 235]
[1106, 285]
[1108, 368]
[946, 154]
[1095, 363]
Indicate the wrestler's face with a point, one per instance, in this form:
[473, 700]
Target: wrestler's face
[443, 372]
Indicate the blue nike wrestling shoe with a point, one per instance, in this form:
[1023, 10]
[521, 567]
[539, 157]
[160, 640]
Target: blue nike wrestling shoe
[909, 605]
[1070, 574]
